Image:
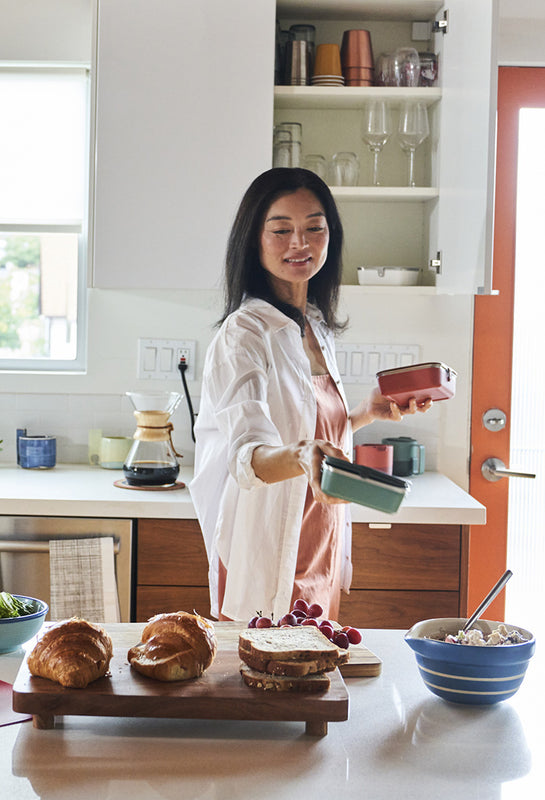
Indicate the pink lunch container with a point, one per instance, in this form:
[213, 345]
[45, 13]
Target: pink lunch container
[432, 379]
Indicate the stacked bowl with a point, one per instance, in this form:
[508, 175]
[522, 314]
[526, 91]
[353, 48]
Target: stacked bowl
[357, 58]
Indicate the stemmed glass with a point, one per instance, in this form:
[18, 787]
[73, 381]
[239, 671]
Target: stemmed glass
[376, 129]
[413, 130]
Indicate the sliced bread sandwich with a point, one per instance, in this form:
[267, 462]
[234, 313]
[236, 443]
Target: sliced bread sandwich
[291, 652]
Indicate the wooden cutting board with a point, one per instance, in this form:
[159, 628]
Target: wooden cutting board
[219, 694]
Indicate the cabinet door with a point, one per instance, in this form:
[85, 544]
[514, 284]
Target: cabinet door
[461, 224]
[183, 123]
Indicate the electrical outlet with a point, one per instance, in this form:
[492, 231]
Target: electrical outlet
[158, 359]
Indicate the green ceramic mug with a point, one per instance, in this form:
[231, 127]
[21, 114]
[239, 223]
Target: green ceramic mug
[409, 456]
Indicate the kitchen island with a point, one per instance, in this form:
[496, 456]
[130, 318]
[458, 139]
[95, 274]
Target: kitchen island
[400, 741]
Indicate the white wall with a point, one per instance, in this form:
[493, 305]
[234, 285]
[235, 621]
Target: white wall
[68, 405]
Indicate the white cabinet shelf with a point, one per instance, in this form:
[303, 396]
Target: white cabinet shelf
[350, 97]
[386, 194]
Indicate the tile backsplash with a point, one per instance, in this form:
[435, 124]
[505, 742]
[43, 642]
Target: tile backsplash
[70, 417]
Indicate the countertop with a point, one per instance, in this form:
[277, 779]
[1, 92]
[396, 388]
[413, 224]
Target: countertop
[78, 490]
[399, 743]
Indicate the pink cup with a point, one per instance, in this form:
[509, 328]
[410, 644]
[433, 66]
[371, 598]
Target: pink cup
[376, 456]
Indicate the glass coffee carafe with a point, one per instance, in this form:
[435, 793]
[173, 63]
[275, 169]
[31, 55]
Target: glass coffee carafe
[152, 459]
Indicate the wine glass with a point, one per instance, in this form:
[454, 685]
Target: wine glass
[376, 130]
[413, 130]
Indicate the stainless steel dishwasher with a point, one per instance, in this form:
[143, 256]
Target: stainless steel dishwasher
[24, 552]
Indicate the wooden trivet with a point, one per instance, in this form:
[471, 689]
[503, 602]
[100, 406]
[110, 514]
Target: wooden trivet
[122, 484]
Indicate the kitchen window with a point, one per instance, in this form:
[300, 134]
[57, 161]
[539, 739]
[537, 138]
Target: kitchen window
[44, 165]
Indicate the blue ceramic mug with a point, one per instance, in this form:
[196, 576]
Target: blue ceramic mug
[409, 456]
[36, 452]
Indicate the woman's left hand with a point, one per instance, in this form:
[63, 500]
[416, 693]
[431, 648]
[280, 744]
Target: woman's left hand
[379, 407]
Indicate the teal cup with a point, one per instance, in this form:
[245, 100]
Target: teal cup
[409, 456]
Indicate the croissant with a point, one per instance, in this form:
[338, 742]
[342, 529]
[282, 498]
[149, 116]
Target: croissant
[73, 653]
[174, 647]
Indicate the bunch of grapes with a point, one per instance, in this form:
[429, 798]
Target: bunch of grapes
[304, 614]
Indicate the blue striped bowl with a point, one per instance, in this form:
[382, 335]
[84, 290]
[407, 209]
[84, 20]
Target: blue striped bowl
[466, 673]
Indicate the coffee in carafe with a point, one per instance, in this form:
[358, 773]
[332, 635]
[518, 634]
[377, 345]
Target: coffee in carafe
[152, 459]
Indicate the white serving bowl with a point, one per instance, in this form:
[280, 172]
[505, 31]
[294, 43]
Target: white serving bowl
[388, 276]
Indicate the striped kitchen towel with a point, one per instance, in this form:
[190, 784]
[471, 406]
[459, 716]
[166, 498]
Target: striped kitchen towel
[83, 582]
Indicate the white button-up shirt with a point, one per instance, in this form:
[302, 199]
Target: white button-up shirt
[257, 389]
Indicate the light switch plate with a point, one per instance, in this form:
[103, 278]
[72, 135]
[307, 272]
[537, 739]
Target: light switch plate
[158, 359]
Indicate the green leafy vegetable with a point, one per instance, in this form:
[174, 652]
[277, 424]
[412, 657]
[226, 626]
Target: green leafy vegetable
[11, 606]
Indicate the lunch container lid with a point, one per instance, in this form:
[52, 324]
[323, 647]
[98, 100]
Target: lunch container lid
[367, 473]
[414, 367]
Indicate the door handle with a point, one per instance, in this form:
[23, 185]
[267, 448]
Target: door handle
[493, 469]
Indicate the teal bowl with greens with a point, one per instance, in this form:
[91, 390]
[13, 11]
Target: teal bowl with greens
[15, 631]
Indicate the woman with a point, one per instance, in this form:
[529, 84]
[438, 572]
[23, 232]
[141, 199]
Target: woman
[273, 406]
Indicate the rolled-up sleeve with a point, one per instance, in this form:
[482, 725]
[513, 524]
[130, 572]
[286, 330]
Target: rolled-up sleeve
[237, 383]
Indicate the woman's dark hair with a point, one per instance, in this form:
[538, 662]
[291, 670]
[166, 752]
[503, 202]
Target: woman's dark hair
[244, 274]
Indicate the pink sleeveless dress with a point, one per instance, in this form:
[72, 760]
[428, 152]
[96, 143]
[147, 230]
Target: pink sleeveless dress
[318, 570]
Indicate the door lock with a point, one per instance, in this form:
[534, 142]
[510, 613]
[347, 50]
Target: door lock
[494, 420]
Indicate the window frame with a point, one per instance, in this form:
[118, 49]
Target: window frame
[77, 365]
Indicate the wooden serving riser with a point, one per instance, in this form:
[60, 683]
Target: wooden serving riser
[220, 694]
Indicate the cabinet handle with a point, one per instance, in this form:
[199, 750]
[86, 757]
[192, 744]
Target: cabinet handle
[7, 546]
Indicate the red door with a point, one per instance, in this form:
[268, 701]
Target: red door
[518, 87]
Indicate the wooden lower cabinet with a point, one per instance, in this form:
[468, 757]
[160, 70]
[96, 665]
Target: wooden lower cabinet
[406, 573]
[172, 568]
[402, 573]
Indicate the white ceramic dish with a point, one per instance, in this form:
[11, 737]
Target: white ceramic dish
[388, 276]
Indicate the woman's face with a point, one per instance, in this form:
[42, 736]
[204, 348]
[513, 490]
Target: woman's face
[293, 241]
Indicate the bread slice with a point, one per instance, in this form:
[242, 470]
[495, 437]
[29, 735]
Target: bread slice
[298, 643]
[284, 683]
[292, 668]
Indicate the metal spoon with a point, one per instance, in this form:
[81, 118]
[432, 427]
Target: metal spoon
[496, 589]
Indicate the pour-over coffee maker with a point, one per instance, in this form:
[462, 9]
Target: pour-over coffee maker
[152, 459]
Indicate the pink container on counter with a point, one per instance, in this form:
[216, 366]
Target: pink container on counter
[376, 456]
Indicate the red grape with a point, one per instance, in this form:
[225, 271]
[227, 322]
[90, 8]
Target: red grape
[354, 636]
[315, 610]
[341, 639]
[299, 614]
[263, 622]
[301, 604]
[287, 619]
[310, 621]
[328, 632]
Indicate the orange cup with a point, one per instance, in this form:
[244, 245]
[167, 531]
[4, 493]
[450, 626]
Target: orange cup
[327, 60]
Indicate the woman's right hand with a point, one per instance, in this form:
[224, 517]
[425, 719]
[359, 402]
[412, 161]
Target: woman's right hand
[312, 454]
[273, 464]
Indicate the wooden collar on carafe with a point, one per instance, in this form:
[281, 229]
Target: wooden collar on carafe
[153, 426]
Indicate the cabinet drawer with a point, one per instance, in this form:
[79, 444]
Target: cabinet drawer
[152, 600]
[171, 553]
[421, 557]
[395, 609]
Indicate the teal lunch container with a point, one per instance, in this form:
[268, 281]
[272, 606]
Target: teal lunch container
[363, 485]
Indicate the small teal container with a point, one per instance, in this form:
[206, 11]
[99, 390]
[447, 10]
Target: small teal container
[363, 485]
[36, 452]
